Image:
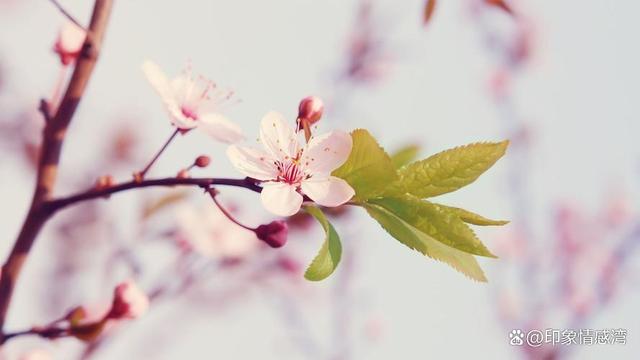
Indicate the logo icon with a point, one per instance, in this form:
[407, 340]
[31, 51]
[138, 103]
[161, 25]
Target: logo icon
[515, 337]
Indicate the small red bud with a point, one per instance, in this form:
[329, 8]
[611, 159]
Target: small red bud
[183, 174]
[137, 177]
[202, 161]
[104, 182]
[274, 234]
[310, 109]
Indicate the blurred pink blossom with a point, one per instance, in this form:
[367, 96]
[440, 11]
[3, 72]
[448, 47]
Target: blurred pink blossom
[129, 302]
[193, 102]
[208, 232]
[37, 354]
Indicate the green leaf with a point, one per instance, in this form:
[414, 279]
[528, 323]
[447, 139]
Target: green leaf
[330, 253]
[473, 218]
[417, 240]
[368, 169]
[436, 221]
[448, 171]
[405, 155]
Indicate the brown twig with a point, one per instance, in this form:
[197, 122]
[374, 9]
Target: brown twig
[47, 333]
[53, 138]
[54, 205]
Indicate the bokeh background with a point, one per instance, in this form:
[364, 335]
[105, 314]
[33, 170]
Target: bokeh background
[560, 80]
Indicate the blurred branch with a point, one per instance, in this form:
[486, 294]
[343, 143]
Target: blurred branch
[47, 333]
[53, 138]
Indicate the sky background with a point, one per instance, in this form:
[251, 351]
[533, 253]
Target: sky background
[578, 95]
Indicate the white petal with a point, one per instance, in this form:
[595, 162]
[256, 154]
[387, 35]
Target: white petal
[160, 83]
[181, 88]
[252, 162]
[281, 198]
[220, 128]
[326, 152]
[71, 37]
[330, 192]
[277, 137]
[179, 120]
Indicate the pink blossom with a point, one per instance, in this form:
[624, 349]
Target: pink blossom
[69, 42]
[193, 102]
[37, 354]
[289, 170]
[128, 301]
[211, 234]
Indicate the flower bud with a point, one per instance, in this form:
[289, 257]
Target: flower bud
[69, 43]
[104, 182]
[128, 301]
[202, 161]
[183, 174]
[138, 177]
[310, 109]
[274, 234]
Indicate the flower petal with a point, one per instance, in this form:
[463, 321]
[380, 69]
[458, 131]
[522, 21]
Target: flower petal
[159, 81]
[325, 153]
[252, 162]
[277, 137]
[71, 37]
[179, 120]
[165, 90]
[220, 128]
[330, 192]
[281, 198]
[181, 87]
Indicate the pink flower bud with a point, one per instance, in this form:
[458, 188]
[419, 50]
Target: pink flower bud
[69, 43]
[183, 174]
[310, 109]
[128, 301]
[202, 161]
[274, 234]
[104, 182]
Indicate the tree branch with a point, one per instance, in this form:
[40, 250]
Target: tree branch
[54, 205]
[53, 138]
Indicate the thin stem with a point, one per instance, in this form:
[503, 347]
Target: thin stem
[304, 125]
[213, 194]
[155, 158]
[67, 14]
[307, 130]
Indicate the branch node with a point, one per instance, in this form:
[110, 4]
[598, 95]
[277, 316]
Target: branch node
[45, 109]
